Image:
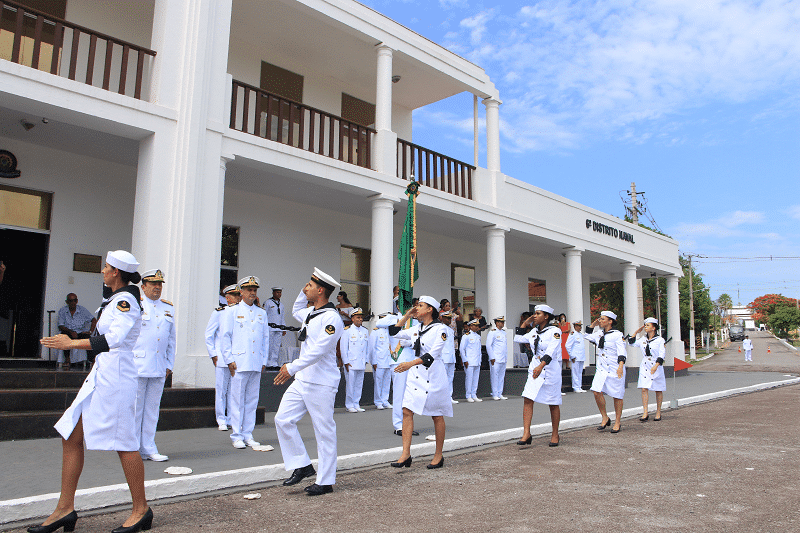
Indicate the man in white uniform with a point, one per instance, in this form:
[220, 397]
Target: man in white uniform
[316, 380]
[154, 355]
[449, 349]
[497, 348]
[222, 382]
[577, 356]
[76, 322]
[354, 346]
[470, 349]
[401, 351]
[747, 346]
[276, 319]
[245, 348]
[381, 360]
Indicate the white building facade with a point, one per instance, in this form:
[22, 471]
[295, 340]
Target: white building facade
[290, 124]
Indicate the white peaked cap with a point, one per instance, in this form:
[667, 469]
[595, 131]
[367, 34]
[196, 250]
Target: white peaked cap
[230, 288]
[650, 320]
[122, 260]
[433, 302]
[324, 279]
[609, 314]
[544, 308]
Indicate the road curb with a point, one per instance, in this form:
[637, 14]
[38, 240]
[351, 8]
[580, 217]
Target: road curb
[29, 508]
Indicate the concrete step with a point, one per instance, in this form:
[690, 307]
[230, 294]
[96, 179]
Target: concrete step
[45, 379]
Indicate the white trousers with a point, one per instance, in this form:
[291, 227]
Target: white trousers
[577, 375]
[451, 372]
[748, 355]
[245, 388]
[497, 377]
[148, 402]
[471, 376]
[275, 339]
[316, 400]
[398, 389]
[382, 378]
[222, 398]
[354, 387]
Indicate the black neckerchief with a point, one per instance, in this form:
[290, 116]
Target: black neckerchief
[539, 331]
[647, 345]
[418, 342]
[278, 303]
[133, 289]
[602, 341]
[313, 314]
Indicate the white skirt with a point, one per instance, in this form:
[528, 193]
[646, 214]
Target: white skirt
[544, 389]
[654, 382]
[608, 383]
[428, 390]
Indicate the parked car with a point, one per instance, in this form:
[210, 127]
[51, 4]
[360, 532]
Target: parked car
[736, 333]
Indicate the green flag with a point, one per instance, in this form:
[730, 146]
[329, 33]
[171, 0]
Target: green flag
[409, 269]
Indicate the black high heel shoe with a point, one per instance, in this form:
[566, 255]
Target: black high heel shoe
[521, 442]
[601, 427]
[67, 522]
[440, 464]
[645, 419]
[401, 464]
[144, 524]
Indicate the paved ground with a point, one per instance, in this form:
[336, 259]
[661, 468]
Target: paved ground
[780, 358]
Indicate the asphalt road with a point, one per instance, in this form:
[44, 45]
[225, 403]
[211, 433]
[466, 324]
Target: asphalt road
[778, 359]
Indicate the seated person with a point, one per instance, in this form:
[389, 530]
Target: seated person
[76, 322]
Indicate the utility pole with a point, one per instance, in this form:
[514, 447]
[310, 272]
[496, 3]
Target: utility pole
[634, 211]
[691, 312]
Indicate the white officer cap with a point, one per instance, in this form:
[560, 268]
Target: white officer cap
[650, 320]
[153, 276]
[231, 289]
[446, 314]
[277, 288]
[609, 314]
[473, 322]
[321, 278]
[356, 311]
[433, 302]
[249, 281]
[544, 308]
[122, 260]
[500, 319]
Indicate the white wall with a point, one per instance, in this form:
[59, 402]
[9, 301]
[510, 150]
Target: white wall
[92, 213]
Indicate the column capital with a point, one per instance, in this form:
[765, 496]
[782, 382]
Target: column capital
[384, 49]
[492, 102]
[573, 251]
[223, 162]
[630, 266]
[380, 197]
[497, 228]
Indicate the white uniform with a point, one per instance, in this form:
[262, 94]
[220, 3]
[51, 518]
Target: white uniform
[154, 354]
[274, 310]
[608, 357]
[401, 349]
[316, 380]
[427, 391]
[222, 381]
[449, 357]
[245, 341]
[546, 346]
[497, 348]
[107, 399]
[652, 351]
[381, 360]
[747, 346]
[471, 353]
[354, 349]
[577, 351]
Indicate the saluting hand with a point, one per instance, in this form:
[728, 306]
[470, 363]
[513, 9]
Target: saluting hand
[282, 376]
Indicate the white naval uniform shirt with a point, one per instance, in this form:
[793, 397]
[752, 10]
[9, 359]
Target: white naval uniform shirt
[449, 348]
[213, 337]
[379, 348]
[245, 337]
[544, 343]
[317, 361]
[497, 346]
[575, 347]
[354, 346]
[154, 352]
[471, 348]
[613, 348]
[275, 312]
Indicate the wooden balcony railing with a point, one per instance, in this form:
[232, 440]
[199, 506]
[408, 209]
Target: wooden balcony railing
[433, 169]
[44, 42]
[272, 117]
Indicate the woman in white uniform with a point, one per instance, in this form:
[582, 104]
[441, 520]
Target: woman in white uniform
[651, 371]
[103, 413]
[610, 375]
[544, 371]
[427, 389]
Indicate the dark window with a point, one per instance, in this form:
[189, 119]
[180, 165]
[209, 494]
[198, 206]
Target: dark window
[358, 111]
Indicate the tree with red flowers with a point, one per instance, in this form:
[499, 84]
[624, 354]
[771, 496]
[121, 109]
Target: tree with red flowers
[765, 306]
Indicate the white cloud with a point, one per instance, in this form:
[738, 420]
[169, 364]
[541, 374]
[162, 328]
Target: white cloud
[724, 226]
[794, 211]
[621, 67]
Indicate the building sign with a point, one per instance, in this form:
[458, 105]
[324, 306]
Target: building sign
[608, 230]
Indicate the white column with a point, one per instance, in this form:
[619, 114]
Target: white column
[574, 285]
[492, 134]
[180, 175]
[385, 149]
[496, 277]
[475, 131]
[382, 254]
[631, 307]
[675, 346]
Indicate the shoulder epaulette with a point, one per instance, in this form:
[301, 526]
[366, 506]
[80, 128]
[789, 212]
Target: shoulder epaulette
[220, 308]
[166, 302]
[347, 327]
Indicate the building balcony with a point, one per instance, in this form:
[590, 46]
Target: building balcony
[433, 169]
[44, 42]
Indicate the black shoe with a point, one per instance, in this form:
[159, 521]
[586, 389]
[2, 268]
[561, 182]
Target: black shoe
[399, 433]
[521, 442]
[616, 430]
[440, 464]
[144, 524]
[401, 464]
[67, 522]
[316, 490]
[658, 419]
[645, 419]
[299, 474]
[554, 444]
[601, 427]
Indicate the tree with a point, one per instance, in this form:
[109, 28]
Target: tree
[703, 306]
[784, 319]
[725, 301]
[764, 306]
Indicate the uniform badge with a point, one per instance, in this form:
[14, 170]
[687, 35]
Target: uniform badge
[557, 335]
[346, 327]
[329, 329]
[444, 336]
[123, 306]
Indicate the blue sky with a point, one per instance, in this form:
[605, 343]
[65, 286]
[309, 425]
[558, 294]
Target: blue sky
[698, 102]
